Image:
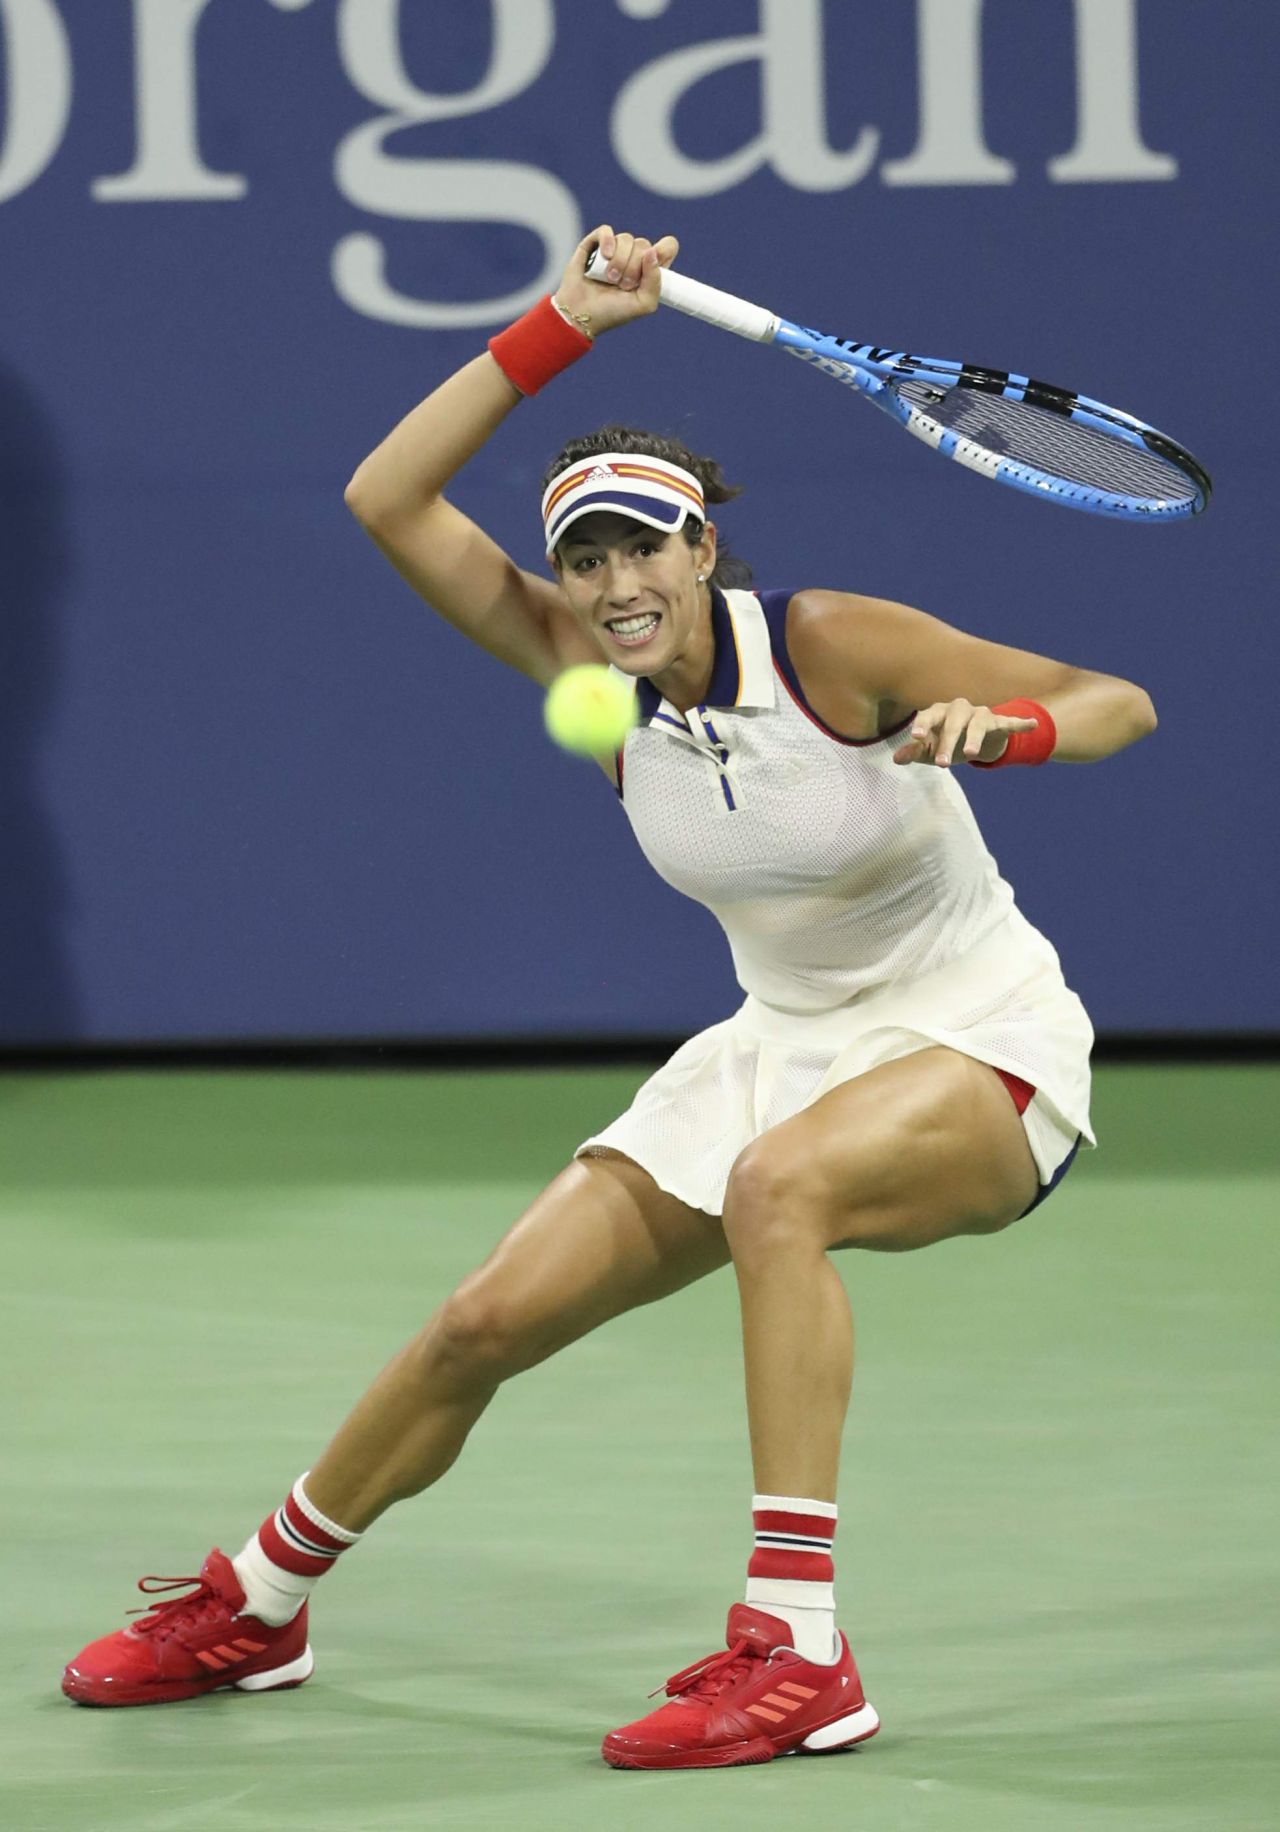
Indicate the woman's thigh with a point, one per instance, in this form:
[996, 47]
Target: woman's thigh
[601, 1239]
[915, 1151]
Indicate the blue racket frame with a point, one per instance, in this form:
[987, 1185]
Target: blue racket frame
[879, 374]
[874, 371]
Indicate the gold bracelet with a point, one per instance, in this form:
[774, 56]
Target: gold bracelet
[581, 319]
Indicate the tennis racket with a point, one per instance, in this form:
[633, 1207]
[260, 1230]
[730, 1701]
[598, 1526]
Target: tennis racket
[1059, 446]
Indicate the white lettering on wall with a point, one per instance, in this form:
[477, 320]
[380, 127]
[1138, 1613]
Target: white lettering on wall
[37, 91]
[790, 51]
[1109, 145]
[951, 148]
[167, 163]
[443, 190]
[791, 138]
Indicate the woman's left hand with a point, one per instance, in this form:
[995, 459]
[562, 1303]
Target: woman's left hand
[960, 731]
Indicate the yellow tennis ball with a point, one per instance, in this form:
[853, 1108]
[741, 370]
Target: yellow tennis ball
[590, 710]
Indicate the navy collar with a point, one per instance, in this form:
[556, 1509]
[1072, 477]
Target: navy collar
[726, 668]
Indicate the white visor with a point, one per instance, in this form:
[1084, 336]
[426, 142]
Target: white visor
[648, 490]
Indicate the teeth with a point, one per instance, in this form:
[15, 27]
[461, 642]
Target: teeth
[628, 627]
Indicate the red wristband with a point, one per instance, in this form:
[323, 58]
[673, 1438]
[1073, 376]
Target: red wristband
[1025, 747]
[537, 346]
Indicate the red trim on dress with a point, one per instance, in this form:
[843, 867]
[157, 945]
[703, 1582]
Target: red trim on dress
[807, 710]
[1022, 1091]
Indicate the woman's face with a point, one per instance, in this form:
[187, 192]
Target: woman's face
[635, 588]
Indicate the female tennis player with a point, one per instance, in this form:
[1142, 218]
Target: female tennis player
[907, 1065]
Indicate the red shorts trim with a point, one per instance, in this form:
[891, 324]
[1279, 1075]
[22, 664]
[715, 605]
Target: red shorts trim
[1022, 1091]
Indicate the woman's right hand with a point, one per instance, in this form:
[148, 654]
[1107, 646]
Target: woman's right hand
[634, 292]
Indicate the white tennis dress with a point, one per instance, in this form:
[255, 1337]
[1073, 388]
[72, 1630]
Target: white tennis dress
[866, 917]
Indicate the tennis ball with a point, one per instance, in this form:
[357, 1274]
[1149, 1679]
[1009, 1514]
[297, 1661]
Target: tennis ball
[590, 710]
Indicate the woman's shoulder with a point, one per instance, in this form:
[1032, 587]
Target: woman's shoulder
[814, 610]
[811, 627]
[817, 636]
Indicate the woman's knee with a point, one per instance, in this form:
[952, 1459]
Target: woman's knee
[781, 1197]
[478, 1337]
[775, 1200]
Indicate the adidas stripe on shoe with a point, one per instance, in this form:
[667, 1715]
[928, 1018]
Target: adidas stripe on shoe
[190, 1645]
[755, 1701]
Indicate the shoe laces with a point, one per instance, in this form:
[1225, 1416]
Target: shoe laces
[714, 1674]
[178, 1612]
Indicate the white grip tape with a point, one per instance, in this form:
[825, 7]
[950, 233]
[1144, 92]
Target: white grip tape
[725, 310]
[693, 297]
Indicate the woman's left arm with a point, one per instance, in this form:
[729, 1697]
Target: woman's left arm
[850, 650]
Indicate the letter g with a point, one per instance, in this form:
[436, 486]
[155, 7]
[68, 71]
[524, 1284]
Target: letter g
[443, 190]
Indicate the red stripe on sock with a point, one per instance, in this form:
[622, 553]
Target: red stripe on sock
[281, 1553]
[308, 1528]
[815, 1526]
[807, 1567]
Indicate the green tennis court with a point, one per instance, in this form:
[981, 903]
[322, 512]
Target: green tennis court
[1056, 1553]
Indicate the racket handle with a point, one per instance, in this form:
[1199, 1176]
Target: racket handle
[693, 297]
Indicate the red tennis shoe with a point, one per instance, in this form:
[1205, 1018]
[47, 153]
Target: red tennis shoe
[756, 1701]
[189, 1645]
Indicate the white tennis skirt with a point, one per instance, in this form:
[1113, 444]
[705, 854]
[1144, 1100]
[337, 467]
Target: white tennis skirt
[1004, 1003]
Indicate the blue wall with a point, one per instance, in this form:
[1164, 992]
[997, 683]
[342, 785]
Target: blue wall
[251, 788]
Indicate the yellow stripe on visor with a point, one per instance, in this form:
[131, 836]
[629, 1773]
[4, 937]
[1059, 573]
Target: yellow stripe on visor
[649, 490]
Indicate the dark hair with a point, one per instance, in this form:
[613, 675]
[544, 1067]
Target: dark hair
[730, 570]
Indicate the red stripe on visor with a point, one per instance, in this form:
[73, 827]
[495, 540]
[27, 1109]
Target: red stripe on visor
[649, 490]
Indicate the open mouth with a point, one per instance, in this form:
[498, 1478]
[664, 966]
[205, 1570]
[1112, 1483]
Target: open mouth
[633, 631]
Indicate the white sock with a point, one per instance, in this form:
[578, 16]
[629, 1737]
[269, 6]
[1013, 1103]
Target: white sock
[791, 1575]
[272, 1595]
[813, 1630]
[278, 1565]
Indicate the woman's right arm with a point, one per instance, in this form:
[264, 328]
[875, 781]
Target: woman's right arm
[396, 494]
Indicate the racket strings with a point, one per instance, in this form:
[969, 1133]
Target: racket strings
[1051, 442]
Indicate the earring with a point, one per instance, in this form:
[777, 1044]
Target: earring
[702, 578]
